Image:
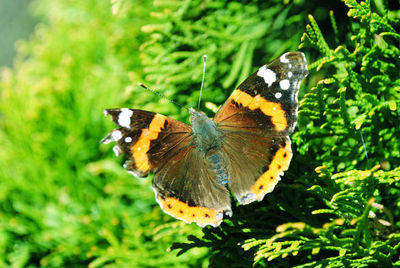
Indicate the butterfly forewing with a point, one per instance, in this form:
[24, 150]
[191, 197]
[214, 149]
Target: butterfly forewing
[145, 137]
[268, 98]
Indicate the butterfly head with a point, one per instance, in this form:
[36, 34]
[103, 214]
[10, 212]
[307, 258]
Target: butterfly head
[197, 119]
[194, 114]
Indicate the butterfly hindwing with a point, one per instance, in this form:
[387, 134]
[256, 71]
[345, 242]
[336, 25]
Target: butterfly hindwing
[255, 164]
[186, 188]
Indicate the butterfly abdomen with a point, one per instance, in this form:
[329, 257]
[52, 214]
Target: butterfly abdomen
[216, 164]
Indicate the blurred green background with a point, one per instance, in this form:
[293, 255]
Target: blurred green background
[66, 201]
[16, 23]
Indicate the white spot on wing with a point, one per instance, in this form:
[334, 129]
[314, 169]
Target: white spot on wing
[128, 139]
[116, 135]
[117, 150]
[268, 75]
[290, 74]
[278, 95]
[284, 84]
[284, 59]
[124, 118]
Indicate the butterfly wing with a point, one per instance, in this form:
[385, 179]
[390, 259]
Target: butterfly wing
[145, 137]
[183, 183]
[256, 122]
[186, 188]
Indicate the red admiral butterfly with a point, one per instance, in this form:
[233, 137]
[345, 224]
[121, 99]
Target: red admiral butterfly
[245, 148]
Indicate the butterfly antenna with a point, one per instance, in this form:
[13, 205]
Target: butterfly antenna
[162, 96]
[202, 80]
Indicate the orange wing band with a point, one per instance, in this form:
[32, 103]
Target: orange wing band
[142, 146]
[272, 109]
[267, 181]
[180, 210]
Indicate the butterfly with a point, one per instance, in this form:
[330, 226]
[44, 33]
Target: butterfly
[243, 150]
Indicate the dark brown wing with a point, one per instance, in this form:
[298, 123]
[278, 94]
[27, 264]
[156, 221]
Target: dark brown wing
[256, 122]
[255, 164]
[184, 186]
[145, 137]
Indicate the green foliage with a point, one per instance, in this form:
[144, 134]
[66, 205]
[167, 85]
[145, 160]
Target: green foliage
[65, 201]
[359, 100]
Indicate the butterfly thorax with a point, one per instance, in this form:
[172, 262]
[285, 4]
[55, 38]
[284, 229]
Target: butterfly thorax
[205, 132]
